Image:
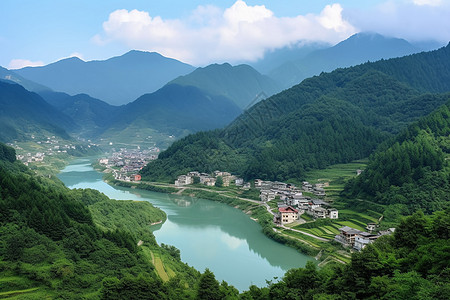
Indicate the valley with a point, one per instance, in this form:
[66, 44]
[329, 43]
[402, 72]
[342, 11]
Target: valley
[224, 152]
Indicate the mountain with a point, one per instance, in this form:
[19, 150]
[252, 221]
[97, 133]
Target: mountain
[411, 171]
[23, 113]
[88, 113]
[117, 80]
[175, 110]
[239, 83]
[277, 57]
[8, 75]
[357, 49]
[332, 118]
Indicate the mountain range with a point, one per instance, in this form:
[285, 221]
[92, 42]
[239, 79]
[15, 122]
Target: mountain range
[117, 80]
[332, 118]
[204, 98]
[357, 49]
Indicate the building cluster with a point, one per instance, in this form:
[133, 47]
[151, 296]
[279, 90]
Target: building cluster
[126, 164]
[317, 189]
[209, 179]
[292, 201]
[49, 146]
[357, 239]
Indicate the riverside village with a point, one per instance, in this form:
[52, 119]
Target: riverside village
[292, 204]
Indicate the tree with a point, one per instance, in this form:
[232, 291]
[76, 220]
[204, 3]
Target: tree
[208, 287]
[219, 181]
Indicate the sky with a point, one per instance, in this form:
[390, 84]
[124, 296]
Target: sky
[198, 32]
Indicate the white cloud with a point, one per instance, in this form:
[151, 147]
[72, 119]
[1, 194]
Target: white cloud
[417, 20]
[210, 34]
[427, 2]
[22, 63]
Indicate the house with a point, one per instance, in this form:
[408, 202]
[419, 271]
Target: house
[209, 181]
[194, 174]
[266, 195]
[347, 236]
[227, 179]
[386, 232]
[287, 214]
[246, 186]
[363, 239]
[183, 180]
[319, 212]
[317, 203]
[239, 182]
[333, 213]
[371, 227]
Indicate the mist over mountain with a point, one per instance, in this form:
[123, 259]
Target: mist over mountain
[239, 83]
[117, 80]
[357, 49]
[277, 57]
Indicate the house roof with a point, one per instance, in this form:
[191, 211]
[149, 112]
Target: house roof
[319, 202]
[350, 230]
[288, 209]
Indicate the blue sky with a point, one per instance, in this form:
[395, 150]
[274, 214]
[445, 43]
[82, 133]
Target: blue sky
[201, 32]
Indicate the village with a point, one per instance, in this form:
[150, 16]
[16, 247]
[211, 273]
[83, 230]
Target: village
[292, 203]
[126, 164]
[49, 146]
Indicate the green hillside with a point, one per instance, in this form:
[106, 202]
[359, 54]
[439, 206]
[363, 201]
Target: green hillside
[333, 118]
[88, 113]
[58, 243]
[23, 113]
[411, 171]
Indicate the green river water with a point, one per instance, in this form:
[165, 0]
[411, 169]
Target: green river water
[209, 234]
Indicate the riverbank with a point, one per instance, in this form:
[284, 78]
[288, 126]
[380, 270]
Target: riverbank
[255, 209]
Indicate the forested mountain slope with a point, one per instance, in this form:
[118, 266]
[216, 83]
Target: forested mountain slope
[411, 171]
[332, 118]
[23, 113]
[90, 114]
[66, 244]
[54, 245]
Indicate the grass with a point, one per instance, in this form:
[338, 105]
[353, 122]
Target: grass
[352, 225]
[17, 292]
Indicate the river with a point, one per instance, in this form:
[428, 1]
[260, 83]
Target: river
[209, 234]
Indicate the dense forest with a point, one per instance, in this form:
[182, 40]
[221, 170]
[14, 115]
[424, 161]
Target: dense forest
[52, 244]
[411, 171]
[57, 243]
[333, 118]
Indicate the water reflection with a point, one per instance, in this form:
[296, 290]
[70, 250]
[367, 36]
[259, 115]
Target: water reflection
[209, 234]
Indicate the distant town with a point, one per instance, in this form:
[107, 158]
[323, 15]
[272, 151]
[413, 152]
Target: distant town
[126, 163]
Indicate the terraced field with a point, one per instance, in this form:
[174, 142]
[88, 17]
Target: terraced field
[352, 219]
